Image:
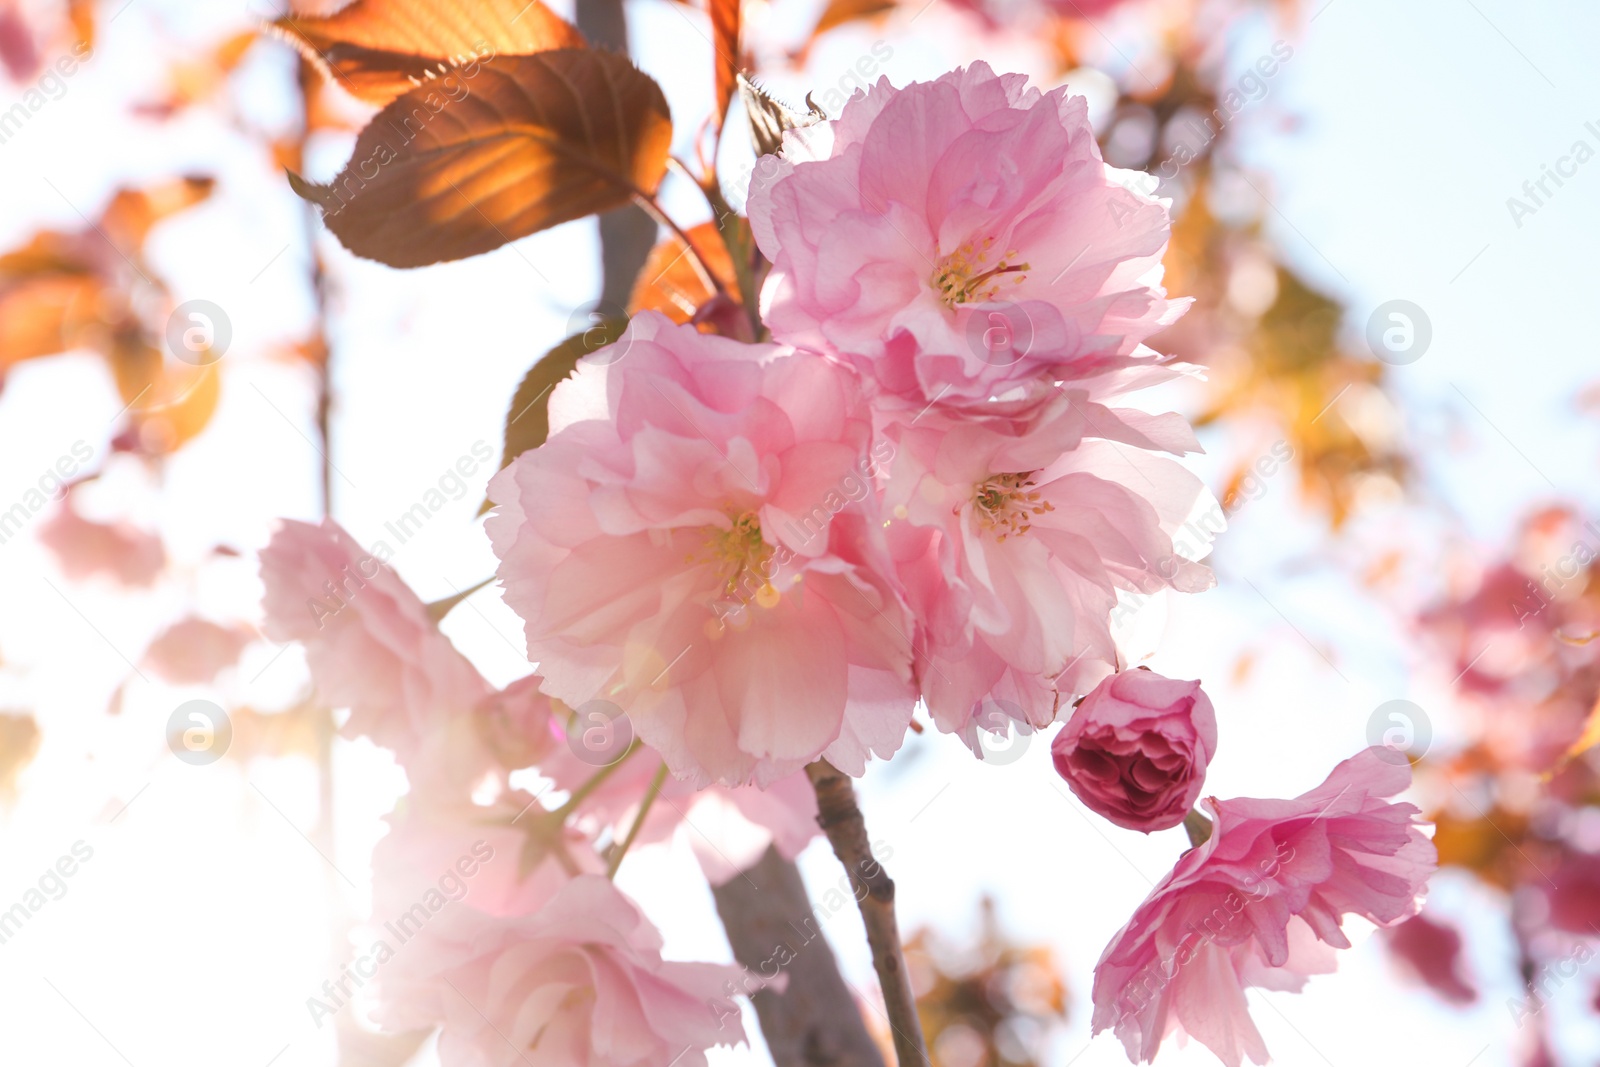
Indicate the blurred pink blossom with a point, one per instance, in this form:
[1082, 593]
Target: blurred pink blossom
[579, 984]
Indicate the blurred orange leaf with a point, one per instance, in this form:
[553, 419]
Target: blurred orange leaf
[41, 316]
[19, 742]
[169, 402]
[382, 49]
[725, 15]
[539, 140]
[839, 12]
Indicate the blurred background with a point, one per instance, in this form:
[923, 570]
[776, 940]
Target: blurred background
[1387, 214]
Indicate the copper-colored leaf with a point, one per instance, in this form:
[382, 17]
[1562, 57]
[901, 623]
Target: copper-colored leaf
[670, 282]
[725, 16]
[532, 142]
[381, 49]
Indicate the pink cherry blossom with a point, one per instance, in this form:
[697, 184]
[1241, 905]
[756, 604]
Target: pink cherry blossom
[690, 544]
[1013, 538]
[961, 239]
[119, 550]
[580, 983]
[1260, 904]
[1136, 749]
[371, 646]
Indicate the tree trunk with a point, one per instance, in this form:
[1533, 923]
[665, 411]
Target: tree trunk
[815, 1021]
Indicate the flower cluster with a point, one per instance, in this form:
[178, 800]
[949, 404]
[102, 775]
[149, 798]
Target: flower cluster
[924, 488]
[767, 553]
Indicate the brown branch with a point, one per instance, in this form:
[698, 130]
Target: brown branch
[815, 1021]
[841, 820]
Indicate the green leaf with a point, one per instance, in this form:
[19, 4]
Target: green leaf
[528, 418]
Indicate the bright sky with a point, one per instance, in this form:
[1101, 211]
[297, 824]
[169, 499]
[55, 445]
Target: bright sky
[197, 929]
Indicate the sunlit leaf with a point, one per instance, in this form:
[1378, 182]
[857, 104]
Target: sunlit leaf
[670, 282]
[381, 49]
[531, 142]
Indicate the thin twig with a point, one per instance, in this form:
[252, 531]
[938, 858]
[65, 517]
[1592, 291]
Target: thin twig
[653, 209]
[841, 819]
[650, 795]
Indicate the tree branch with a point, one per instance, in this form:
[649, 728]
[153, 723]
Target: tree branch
[626, 234]
[815, 1021]
[842, 821]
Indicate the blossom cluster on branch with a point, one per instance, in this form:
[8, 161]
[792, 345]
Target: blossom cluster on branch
[923, 486]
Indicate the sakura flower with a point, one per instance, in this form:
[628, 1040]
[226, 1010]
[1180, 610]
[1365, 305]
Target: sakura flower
[1136, 749]
[687, 546]
[960, 239]
[1260, 904]
[580, 983]
[1014, 538]
[370, 645]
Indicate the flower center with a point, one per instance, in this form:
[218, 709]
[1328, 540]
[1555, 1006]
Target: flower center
[740, 555]
[1008, 503]
[968, 274]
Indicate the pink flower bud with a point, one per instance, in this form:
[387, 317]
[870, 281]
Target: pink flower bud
[1136, 749]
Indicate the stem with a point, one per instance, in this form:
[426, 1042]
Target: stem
[580, 794]
[650, 795]
[1198, 827]
[648, 202]
[841, 819]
